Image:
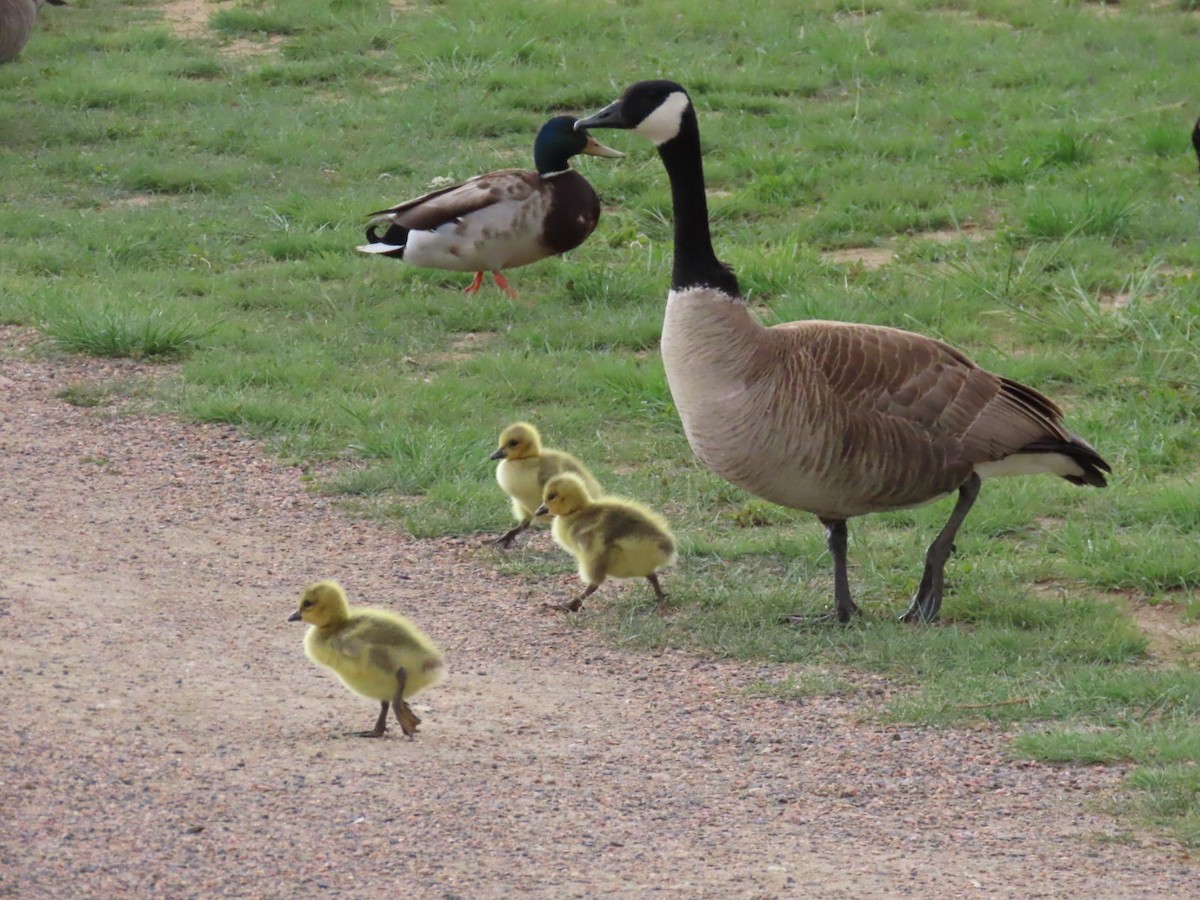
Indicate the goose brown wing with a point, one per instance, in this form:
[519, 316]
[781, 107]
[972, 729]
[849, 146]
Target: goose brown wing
[883, 374]
[439, 207]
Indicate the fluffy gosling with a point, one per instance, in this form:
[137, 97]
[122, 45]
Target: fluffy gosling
[525, 467]
[375, 653]
[611, 538]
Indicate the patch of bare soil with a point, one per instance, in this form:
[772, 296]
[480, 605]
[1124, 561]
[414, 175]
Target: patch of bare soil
[877, 257]
[164, 736]
[189, 19]
[1172, 639]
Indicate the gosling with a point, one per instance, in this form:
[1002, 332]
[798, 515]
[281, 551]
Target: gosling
[609, 537]
[375, 653]
[525, 467]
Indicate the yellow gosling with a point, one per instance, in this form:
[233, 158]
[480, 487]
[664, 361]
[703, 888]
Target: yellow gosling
[525, 467]
[375, 653]
[610, 537]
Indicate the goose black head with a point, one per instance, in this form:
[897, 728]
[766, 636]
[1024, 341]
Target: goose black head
[658, 110]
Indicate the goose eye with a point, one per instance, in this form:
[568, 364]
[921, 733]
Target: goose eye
[513, 442]
[306, 604]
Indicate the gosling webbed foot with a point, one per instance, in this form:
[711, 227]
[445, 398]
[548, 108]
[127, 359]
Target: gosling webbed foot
[380, 724]
[404, 715]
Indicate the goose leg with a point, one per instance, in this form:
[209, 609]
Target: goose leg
[404, 715]
[835, 535]
[502, 283]
[928, 599]
[844, 606]
[380, 724]
[506, 539]
[473, 287]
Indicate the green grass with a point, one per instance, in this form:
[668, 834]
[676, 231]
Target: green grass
[181, 198]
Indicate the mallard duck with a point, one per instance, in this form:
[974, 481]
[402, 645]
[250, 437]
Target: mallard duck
[525, 467]
[500, 220]
[608, 536]
[834, 418]
[375, 653]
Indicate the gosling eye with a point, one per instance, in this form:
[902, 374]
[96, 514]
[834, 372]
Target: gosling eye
[306, 604]
[552, 496]
[513, 442]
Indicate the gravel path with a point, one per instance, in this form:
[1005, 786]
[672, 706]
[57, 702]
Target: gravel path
[164, 736]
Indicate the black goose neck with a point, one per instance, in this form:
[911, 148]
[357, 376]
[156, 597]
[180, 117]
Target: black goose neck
[696, 263]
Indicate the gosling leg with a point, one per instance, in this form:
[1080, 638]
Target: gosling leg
[576, 604]
[928, 598]
[380, 724]
[506, 539]
[404, 715]
[659, 594]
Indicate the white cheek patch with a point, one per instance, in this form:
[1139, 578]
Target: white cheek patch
[663, 124]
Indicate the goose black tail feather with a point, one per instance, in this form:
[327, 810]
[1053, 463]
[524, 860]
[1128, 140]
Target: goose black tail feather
[1089, 460]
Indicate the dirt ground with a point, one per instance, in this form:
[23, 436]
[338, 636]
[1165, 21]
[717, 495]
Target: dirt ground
[163, 734]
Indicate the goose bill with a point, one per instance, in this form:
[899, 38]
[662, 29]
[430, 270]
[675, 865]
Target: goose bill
[609, 117]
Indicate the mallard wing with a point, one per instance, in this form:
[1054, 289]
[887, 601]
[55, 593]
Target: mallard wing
[436, 208]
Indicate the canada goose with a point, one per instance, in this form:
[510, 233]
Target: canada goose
[16, 24]
[375, 653]
[500, 220]
[610, 537]
[525, 467]
[833, 418]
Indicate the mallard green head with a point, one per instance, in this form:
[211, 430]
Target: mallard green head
[558, 141]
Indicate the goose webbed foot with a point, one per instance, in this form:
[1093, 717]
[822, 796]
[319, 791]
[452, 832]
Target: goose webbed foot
[817, 620]
[927, 601]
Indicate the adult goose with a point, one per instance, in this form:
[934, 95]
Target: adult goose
[500, 220]
[834, 418]
[16, 24]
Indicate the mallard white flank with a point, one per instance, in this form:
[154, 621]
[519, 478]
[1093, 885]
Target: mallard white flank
[833, 418]
[501, 220]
